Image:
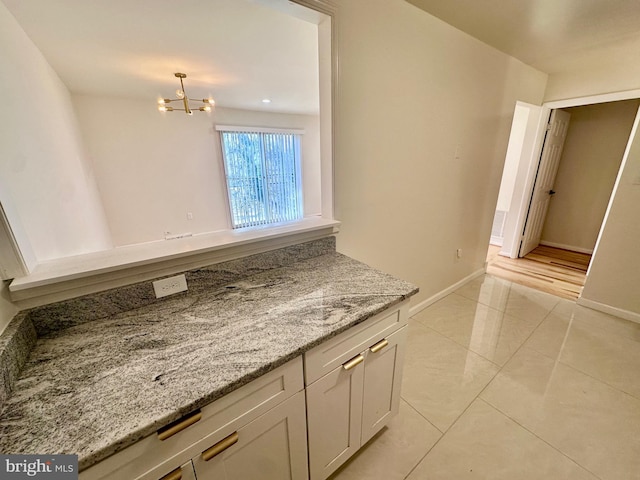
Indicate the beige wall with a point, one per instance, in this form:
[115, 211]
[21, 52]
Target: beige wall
[597, 137]
[411, 89]
[614, 273]
[45, 174]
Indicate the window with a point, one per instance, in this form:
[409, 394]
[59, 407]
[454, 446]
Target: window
[262, 169]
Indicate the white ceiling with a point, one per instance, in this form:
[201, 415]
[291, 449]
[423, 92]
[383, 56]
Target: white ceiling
[237, 51]
[550, 35]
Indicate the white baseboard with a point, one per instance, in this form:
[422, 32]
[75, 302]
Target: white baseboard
[616, 312]
[497, 241]
[567, 247]
[440, 295]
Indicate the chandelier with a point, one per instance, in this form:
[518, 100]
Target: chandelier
[182, 97]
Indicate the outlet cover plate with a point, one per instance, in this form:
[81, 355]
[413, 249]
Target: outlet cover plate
[169, 286]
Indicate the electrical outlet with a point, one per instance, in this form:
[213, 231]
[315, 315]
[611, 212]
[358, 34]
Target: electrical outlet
[459, 253]
[169, 286]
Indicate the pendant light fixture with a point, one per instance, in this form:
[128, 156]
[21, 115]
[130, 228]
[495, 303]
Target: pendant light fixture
[182, 97]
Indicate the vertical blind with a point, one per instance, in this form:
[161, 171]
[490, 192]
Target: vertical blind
[263, 177]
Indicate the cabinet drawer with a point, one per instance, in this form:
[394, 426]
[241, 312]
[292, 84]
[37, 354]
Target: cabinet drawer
[334, 352]
[151, 458]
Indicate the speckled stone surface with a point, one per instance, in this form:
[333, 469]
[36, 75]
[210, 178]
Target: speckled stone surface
[16, 342]
[96, 387]
[56, 316]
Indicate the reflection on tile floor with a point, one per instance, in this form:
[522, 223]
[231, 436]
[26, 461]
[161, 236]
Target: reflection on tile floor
[505, 382]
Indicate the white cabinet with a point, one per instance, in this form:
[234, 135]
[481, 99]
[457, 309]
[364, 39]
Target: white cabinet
[348, 405]
[272, 447]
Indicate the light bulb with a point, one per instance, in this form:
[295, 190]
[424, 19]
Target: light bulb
[206, 108]
[161, 101]
[162, 108]
[180, 93]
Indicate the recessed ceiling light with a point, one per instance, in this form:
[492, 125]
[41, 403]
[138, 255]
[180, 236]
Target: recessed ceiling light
[266, 100]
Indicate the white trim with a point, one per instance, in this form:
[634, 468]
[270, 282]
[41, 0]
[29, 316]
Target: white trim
[443, 293]
[70, 277]
[616, 312]
[231, 128]
[497, 241]
[590, 100]
[567, 247]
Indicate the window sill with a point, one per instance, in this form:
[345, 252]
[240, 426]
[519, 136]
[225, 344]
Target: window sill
[70, 277]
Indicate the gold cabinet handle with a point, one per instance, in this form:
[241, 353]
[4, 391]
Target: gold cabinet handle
[353, 362]
[179, 425]
[220, 447]
[175, 475]
[379, 346]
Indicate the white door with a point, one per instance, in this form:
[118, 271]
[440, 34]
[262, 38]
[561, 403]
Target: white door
[545, 178]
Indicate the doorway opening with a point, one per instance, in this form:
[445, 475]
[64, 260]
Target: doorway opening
[557, 192]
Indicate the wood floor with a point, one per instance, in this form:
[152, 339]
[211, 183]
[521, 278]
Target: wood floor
[552, 270]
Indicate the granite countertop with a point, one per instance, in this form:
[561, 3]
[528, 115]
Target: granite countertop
[95, 388]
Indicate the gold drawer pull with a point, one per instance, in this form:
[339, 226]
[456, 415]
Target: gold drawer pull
[220, 447]
[178, 426]
[353, 362]
[175, 475]
[379, 346]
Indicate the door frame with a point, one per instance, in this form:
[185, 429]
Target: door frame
[530, 160]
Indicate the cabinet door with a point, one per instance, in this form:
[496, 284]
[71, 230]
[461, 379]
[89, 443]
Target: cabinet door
[334, 410]
[382, 381]
[271, 447]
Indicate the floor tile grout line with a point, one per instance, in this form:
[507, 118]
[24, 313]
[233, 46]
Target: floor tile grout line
[479, 354]
[418, 412]
[539, 438]
[524, 342]
[562, 362]
[601, 329]
[452, 424]
[587, 374]
[459, 344]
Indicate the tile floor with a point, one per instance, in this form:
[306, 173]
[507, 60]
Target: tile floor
[505, 382]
